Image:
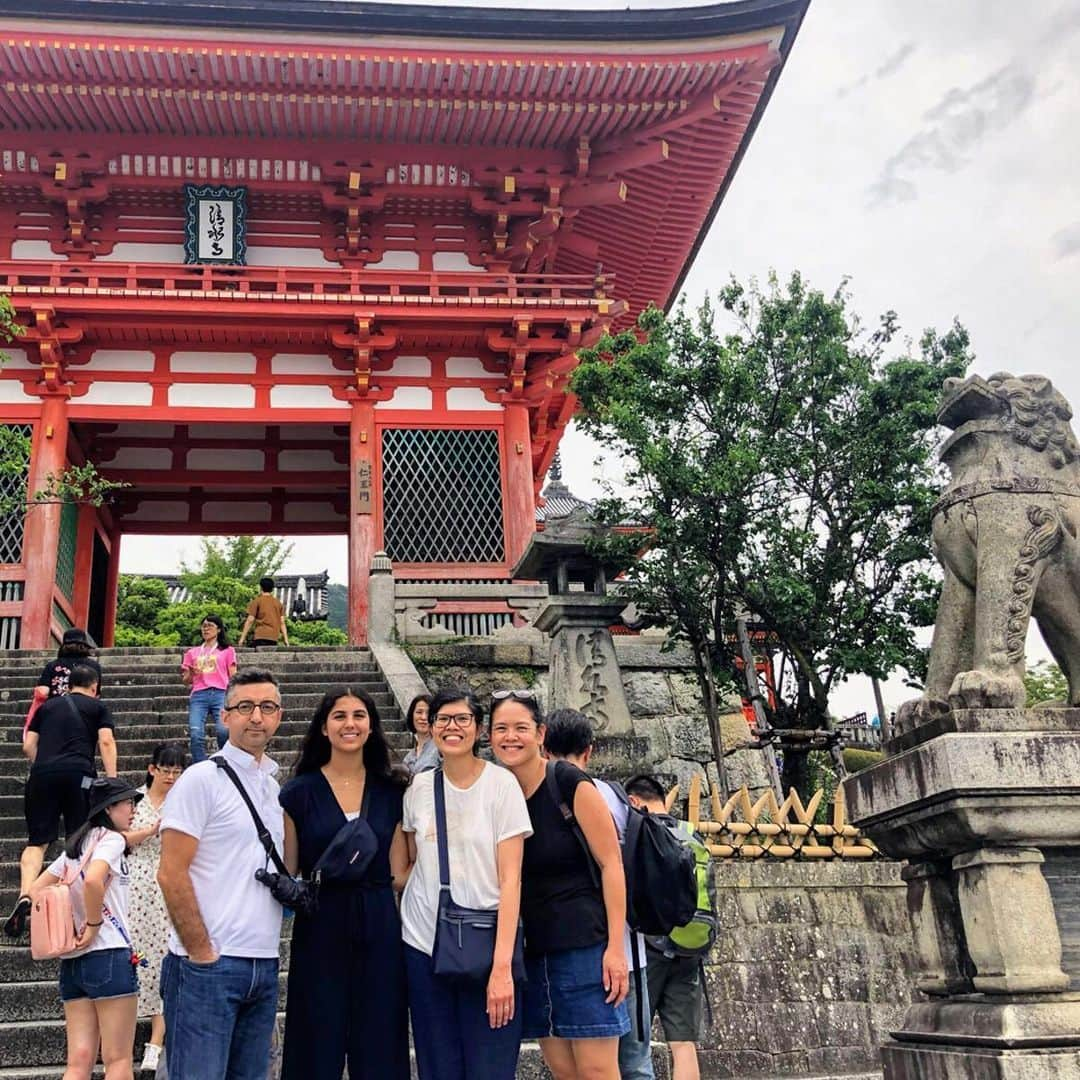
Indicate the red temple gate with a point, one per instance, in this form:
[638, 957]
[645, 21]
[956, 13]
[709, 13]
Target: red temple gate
[435, 225]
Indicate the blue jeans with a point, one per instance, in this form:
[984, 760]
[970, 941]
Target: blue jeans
[205, 705]
[635, 1057]
[451, 1033]
[219, 1017]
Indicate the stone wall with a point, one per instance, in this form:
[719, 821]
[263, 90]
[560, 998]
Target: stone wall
[812, 969]
[671, 736]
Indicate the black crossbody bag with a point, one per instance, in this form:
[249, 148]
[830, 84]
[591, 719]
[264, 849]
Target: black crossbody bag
[465, 937]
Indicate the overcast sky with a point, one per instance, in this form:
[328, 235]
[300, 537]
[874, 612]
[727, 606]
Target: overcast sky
[931, 152]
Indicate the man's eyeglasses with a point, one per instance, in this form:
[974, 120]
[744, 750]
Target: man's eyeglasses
[463, 719]
[517, 695]
[246, 708]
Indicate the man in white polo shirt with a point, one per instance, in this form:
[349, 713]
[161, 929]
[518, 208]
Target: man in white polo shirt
[219, 980]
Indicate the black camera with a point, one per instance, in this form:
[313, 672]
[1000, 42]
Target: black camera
[290, 892]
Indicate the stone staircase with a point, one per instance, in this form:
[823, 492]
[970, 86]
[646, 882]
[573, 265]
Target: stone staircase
[143, 690]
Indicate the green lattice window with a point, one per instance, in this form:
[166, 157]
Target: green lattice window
[65, 554]
[14, 445]
[442, 496]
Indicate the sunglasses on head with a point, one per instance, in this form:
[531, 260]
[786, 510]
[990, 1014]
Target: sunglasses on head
[517, 695]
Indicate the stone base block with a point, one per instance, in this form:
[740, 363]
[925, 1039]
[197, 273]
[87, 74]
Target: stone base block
[944, 796]
[911, 1062]
[1026, 1022]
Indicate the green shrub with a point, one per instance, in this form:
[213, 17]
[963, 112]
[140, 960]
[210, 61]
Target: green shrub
[316, 633]
[856, 759]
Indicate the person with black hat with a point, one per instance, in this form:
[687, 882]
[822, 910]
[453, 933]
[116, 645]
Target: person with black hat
[98, 980]
[75, 648]
[60, 742]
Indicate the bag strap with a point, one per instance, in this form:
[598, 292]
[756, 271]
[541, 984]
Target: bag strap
[440, 831]
[265, 838]
[551, 781]
[81, 869]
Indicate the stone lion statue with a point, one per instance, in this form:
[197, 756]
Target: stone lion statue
[1005, 531]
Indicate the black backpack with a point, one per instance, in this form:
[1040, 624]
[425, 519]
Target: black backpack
[661, 878]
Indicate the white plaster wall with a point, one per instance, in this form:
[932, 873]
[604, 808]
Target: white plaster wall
[119, 360]
[469, 397]
[12, 393]
[407, 397]
[160, 511]
[127, 251]
[453, 260]
[164, 432]
[300, 364]
[139, 457]
[117, 393]
[17, 358]
[397, 260]
[225, 460]
[312, 511]
[305, 397]
[468, 367]
[288, 256]
[201, 363]
[307, 431]
[301, 460]
[227, 431]
[236, 511]
[212, 396]
[34, 249]
[411, 367]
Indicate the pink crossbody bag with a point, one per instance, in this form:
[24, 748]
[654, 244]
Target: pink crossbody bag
[52, 920]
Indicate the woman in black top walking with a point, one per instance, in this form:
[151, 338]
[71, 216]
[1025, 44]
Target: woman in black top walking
[347, 1001]
[573, 902]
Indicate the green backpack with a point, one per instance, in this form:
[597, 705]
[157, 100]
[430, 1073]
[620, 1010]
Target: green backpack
[695, 938]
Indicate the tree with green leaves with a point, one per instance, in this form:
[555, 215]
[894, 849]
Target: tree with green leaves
[784, 469]
[1046, 684]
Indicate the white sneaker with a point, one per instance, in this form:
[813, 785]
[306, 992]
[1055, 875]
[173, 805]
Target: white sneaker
[150, 1057]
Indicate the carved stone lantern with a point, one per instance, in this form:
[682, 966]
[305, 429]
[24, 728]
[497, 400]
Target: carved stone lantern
[584, 671]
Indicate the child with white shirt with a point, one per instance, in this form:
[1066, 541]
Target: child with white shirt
[98, 981]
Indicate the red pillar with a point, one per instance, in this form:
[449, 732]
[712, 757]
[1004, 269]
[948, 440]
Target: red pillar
[112, 581]
[84, 564]
[520, 511]
[47, 455]
[361, 516]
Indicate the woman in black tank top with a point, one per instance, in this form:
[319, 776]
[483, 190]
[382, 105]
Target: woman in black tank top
[573, 902]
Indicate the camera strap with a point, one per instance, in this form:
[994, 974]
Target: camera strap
[265, 838]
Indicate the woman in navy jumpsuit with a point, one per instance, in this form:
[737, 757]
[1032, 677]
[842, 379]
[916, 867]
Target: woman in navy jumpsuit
[346, 996]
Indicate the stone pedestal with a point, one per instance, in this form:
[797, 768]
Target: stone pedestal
[981, 802]
[584, 671]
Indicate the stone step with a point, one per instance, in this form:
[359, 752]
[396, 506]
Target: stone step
[130, 685]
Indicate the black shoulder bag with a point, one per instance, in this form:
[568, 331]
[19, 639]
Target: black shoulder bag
[465, 937]
[290, 892]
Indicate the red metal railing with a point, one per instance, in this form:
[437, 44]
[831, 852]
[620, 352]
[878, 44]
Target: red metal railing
[20, 278]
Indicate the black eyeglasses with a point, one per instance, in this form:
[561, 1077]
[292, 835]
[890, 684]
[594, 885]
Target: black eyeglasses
[246, 708]
[517, 695]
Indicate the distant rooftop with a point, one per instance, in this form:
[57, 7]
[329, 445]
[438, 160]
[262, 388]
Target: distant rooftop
[286, 589]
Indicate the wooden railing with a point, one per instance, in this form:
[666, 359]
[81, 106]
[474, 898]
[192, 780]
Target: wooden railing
[245, 283]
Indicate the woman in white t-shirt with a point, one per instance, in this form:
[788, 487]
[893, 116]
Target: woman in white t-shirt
[98, 984]
[463, 1031]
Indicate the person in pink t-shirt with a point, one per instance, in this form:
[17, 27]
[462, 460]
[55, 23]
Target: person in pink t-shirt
[207, 668]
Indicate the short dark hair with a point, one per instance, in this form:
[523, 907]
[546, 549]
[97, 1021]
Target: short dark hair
[83, 676]
[449, 694]
[251, 677]
[569, 732]
[645, 786]
[167, 755]
[266, 584]
[409, 724]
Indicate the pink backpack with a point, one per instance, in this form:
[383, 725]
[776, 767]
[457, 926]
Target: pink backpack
[52, 920]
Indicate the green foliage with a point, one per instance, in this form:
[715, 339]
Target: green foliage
[337, 606]
[316, 633]
[127, 636]
[139, 601]
[786, 469]
[182, 621]
[1046, 683]
[243, 558]
[856, 759]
